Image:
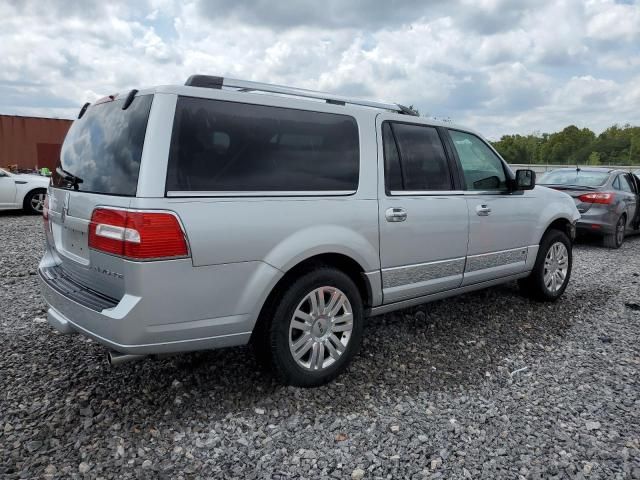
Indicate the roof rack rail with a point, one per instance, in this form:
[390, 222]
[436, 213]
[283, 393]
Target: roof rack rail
[209, 81]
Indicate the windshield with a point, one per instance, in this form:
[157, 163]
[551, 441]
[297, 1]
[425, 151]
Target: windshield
[102, 151]
[581, 178]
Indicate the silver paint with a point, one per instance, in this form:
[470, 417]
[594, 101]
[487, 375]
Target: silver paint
[496, 259]
[394, 277]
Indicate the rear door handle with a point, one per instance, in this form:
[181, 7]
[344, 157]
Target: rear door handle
[395, 214]
[483, 210]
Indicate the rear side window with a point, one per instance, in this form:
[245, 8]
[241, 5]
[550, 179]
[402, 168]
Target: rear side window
[102, 150]
[414, 158]
[220, 146]
[625, 183]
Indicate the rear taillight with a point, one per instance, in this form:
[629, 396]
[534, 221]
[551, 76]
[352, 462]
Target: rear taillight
[45, 213]
[604, 198]
[137, 235]
[45, 208]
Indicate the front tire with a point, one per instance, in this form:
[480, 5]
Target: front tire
[616, 239]
[552, 270]
[316, 328]
[34, 201]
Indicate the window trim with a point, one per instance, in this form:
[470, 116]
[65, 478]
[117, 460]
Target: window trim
[463, 182]
[260, 193]
[452, 168]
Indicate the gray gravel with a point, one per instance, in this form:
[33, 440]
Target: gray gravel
[488, 385]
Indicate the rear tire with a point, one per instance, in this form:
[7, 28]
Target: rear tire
[316, 328]
[552, 270]
[616, 239]
[34, 201]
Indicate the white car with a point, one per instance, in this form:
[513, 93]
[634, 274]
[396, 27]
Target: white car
[22, 191]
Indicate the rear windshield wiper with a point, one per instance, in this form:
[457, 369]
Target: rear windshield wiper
[73, 180]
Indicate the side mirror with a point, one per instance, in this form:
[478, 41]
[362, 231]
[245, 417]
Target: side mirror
[525, 180]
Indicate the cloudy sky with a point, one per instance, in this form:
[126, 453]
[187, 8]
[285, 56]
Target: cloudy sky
[500, 66]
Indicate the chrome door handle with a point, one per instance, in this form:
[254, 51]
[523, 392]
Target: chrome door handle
[395, 214]
[483, 210]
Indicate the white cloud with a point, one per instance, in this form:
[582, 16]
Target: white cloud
[501, 67]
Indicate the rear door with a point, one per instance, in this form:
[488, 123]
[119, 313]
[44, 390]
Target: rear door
[626, 187]
[502, 225]
[423, 213]
[99, 166]
[636, 188]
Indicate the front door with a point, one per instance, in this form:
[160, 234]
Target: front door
[502, 225]
[7, 190]
[423, 214]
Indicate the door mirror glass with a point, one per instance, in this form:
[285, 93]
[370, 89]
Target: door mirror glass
[525, 180]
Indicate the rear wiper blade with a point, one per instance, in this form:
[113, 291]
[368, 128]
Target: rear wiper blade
[69, 177]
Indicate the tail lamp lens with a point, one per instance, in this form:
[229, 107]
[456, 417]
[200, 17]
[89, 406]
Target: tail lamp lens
[137, 235]
[45, 209]
[604, 198]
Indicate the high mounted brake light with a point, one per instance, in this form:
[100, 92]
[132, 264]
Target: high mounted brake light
[137, 235]
[604, 198]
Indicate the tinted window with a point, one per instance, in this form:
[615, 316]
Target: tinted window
[103, 148]
[229, 146]
[482, 168]
[423, 164]
[579, 178]
[392, 167]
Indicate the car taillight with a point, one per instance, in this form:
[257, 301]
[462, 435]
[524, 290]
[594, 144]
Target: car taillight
[45, 213]
[602, 198]
[137, 235]
[45, 208]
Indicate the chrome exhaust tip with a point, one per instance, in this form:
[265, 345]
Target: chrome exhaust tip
[117, 358]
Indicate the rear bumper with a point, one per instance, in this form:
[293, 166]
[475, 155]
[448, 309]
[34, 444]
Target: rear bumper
[598, 219]
[115, 333]
[602, 224]
[180, 317]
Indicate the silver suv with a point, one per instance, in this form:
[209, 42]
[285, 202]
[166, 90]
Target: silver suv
[225, 212]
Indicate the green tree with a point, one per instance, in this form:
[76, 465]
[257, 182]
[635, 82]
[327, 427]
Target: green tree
[617, 145]
[594, 159]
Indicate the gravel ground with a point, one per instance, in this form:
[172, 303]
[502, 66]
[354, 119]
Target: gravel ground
[487, 385]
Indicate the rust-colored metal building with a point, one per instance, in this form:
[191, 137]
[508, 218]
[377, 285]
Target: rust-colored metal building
[31, 142]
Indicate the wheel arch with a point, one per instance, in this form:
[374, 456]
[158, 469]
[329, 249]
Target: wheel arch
[28, 193]
[563, 224]
[344, 263]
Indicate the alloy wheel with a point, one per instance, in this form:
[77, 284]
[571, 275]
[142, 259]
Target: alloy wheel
[556, 267]
[320, 328]
[620, 226]
[37, 202]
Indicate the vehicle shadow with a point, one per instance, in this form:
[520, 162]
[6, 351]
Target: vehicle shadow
[16, 213]
[449, 345]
